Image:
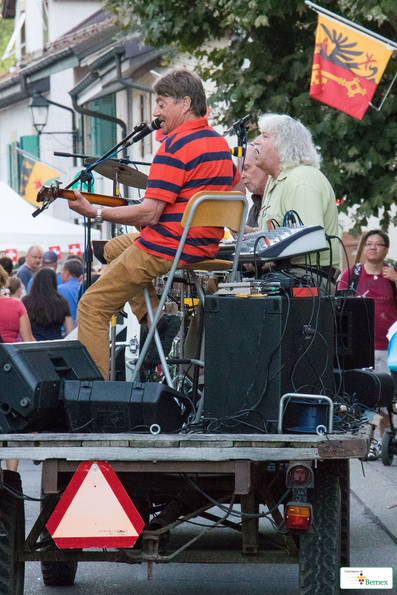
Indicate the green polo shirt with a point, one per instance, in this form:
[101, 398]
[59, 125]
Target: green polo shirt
[306, 190]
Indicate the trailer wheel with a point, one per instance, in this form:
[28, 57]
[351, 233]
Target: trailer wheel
[341, 469]
[56, 574]
[12, 517]
[387, 448]
[320, 548]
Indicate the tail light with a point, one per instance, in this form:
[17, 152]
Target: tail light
[300, 475]
[298, 516]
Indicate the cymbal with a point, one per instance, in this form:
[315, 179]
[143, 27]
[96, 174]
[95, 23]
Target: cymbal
[126, 175]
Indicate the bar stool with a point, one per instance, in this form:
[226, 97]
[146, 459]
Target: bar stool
[204, 209]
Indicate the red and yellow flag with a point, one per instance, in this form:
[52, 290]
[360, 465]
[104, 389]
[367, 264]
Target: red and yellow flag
[347, 66]
[34, 175]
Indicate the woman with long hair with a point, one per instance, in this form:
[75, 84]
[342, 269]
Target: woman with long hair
[47, 309]
[14, 323]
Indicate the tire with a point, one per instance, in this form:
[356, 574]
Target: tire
[12, 570]
[386, 452]
[341, 469]
[320, 548]
[56, 574]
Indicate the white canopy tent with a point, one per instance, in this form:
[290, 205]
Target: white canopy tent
[19, 230]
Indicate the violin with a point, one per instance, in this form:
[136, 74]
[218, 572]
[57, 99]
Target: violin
[47, 195]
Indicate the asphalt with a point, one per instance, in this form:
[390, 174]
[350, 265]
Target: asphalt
[375, 486]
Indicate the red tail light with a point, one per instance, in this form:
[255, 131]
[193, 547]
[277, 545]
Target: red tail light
[298, 516]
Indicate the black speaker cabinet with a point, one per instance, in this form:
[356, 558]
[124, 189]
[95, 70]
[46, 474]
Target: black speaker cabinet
[354, 339]
[30, 380]
[115, 407]
[259, 348]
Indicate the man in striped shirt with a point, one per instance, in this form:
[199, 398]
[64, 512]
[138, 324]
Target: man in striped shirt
[192, 157]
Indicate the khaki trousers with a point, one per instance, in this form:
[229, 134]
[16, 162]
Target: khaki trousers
[130, 270]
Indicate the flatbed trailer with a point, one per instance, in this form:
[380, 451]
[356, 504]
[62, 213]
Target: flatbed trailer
[244, 473]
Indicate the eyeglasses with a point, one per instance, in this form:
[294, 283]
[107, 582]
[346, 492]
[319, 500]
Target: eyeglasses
[375, 245]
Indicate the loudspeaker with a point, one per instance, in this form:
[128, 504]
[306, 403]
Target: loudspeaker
[259, 348]
[30, 381]
[354, 339]
[114, 407]
[366, 387]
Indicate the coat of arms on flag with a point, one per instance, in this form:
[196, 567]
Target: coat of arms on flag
[347, 66]
[34, 175]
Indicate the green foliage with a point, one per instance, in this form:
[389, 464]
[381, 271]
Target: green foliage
[6, 29]
[259, 53]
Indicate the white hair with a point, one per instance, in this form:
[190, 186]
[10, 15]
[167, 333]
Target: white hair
[292, 139]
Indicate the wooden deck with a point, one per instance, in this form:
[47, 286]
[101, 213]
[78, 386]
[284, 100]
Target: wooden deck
[185, 447]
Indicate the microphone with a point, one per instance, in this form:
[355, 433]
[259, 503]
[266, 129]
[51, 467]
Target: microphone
[147, 129]
[238, 125]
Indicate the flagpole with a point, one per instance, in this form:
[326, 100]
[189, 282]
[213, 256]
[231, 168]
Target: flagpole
[320, 9]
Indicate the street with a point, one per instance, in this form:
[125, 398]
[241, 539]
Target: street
[373, 536]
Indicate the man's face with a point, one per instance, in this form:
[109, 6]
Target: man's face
[266, 154]
[170, 113]
[33, 259]
[254, 178]
[375, 249]
[64, 275]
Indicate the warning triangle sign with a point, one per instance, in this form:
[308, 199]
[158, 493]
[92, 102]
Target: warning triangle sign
[95, 511]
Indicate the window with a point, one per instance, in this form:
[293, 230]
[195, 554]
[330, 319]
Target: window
[102, 135]
[145, 105]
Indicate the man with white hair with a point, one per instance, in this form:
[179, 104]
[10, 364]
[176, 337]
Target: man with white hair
[285, 150]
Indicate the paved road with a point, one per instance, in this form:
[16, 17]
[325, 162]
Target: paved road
[374, 543]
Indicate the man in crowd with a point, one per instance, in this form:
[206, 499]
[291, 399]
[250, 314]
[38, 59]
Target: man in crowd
[49, 261]
[192, 157]
[375, 279]
[254, 180]
[286, 152]
[71, 272]
[32, 264]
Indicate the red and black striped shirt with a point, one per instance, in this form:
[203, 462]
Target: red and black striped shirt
[192, 158]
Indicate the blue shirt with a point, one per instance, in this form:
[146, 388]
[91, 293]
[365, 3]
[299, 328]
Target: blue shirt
[70, 291]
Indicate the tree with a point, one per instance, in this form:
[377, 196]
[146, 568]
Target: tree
[6, 29]
[259, 54]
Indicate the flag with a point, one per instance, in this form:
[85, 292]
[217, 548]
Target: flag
[34, 175]
[347, 66]
[57, 250]
[75, 249]
[11, 253]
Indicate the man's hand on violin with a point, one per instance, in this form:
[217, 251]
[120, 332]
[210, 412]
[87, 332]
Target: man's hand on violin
[82, 206]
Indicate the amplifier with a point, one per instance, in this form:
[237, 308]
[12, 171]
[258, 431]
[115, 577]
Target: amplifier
[259, 348]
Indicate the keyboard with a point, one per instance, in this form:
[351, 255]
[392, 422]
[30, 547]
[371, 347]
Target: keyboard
[281, 242]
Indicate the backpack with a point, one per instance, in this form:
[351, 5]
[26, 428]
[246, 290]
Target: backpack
[355, 277]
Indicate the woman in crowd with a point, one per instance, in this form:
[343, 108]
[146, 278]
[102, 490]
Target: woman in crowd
[15, 287]
[47, 309]
[14, 323]
[14, 320]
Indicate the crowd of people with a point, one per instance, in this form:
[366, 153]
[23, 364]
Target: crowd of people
[38, 303]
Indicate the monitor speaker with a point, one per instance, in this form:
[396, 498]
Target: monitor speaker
[259, 348]
[30, 379]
